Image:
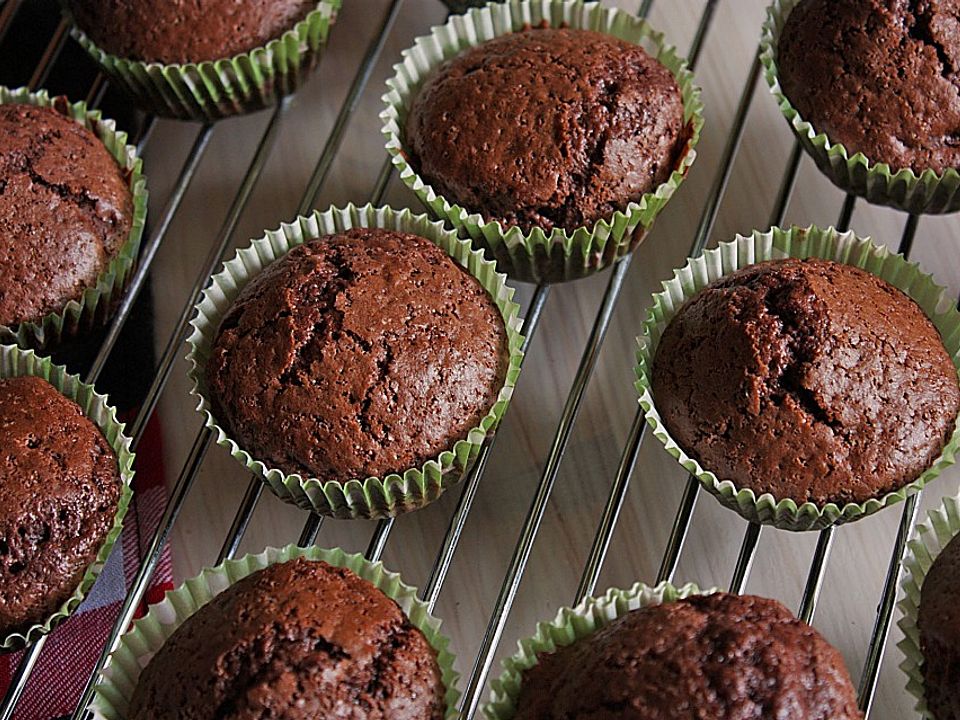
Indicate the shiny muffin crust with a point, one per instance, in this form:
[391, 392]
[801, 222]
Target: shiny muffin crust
[878, 76]
[59, 490]
[357, 355]
[65, 211]
[299, 639]
[722, 657]
[547, 127]
[186, 31]
[807, 379]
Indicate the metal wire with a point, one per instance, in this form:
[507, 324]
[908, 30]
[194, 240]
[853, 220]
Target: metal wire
[448, 548]
[811, 591]
[681, 525]
[846, 212]
[149, 251]
[194, 461]
[748, 552]
[628, 459]
[147, 567]
[349, 108]
[319, 176]
[241, 521]
[21, 676]
[881, 627]
[7, 13]
[50, 56]
[441, 566]
[815, 578]
[511, 583]
[787, 185]
[175, 342]
[311, 530]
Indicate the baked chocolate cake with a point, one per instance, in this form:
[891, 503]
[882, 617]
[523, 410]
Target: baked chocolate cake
[65, 211]
[878, 76]
[547, 127]
[59, 489]
[357, 355]
[807, 379]
[300, 639]
[938, 621]
[723, 657]
[186, 31]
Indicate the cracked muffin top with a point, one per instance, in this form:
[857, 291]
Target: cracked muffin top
[807, 379]
[300, 639]
[59, 489]
[65, 211]
[547, 127]
[724, 657]
[878, 76]
[186, 31]
[357, 355]
[938, 621]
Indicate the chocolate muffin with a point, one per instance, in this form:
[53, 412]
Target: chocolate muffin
[186, 31]
[807, 379]
[300, 639]
[938, 621]
[724, 657]
[59, 489]
[65, 211]
[357, 355]
[877, 76]
[547, 127]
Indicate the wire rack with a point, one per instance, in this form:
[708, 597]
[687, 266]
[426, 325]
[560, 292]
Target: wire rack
[475, 680]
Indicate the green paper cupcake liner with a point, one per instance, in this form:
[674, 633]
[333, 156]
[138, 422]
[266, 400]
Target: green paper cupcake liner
[15, 362]
[353, 497]
[538, 256]
[97, 303]
[929, 540]
[117, 681]
[569, 626]
[215, 89]
[875, 181]
[795, 242]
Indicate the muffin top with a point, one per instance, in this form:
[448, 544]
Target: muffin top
[938, 621]
[300, 639]
[721, 656]
[65, 210]
[357, 355]
[808, 379]
[878, 76]
[547, 127]
[186, 31]
[59, 489]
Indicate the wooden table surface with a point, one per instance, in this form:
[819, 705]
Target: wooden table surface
[858, 564]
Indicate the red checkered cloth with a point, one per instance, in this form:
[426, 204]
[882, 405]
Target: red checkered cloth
[74, 646]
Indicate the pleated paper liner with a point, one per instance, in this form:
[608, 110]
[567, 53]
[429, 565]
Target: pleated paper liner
[116, 683]
[929, 540]
[877, 182]
[214, 89]
[537, 256]
[785, 513]
[569, 626]
[354, 497]
[97, 303]
[15, 362]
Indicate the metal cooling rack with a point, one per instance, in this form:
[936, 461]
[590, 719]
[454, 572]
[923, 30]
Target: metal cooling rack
[477, 677]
